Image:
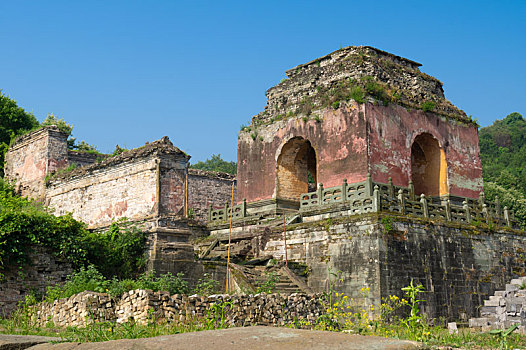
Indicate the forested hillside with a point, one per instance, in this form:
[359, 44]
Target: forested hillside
[503, 153]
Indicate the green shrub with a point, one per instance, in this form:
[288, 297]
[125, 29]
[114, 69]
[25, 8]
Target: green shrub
[206, 285]
[25, 224]
[85, 279]
[90, 279]
[357, 94]
[118, 252]
[51, 119]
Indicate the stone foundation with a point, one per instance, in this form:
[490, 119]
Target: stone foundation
[459, 265]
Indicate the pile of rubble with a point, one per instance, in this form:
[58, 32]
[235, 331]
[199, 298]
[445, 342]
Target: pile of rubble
[504, 309]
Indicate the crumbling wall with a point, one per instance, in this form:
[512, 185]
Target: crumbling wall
[43, 270]
[338, 139]
[32, 157]
[392, 131]
[137, 184]
[104, 195]
[80, 158]
[360, 108]
[207, 188]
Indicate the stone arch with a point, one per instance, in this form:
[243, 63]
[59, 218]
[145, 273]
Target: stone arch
[428, 166]
[295, 162]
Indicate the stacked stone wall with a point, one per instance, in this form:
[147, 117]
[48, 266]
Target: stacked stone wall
[144, 306]
[207, 188]
[43, 270]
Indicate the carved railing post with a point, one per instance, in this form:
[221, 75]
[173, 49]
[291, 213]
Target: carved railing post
[210, 213]
[344, 190]
[482, 199]
[497, 209]
[369, 185]
[485, 213]
[320, 194]
[376, 200]
[507, 217]
[391, 188]
[225, 212]
[411, 191]
[423, 200]
[244, 208]
[401, 200]
[466, 210]
[448, 210]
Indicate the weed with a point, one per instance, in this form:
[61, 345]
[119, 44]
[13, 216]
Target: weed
[206, 285]
[357, 94]
[427, 106]
[269, 284]
[414, 322]
[245, 128]
[215, 318]
[254, 135]
[502, 335]
[336, 104]
[317, 119]
[305, 119]
[387, 221]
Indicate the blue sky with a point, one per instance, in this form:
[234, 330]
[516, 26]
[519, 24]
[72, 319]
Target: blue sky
[127, 72]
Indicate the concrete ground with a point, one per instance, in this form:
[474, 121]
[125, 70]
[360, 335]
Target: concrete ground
[247, 338]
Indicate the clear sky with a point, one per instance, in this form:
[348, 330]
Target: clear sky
[127, 72]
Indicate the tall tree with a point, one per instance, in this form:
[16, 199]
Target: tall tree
[14, 121]
[503, 154]
[216, 163]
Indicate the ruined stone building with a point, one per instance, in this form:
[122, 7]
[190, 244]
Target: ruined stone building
[358, 166]
[146, 183]
[380, 181]
[312, 125]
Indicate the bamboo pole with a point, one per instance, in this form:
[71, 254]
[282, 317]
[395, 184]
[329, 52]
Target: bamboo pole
[229, 236]
[285, 235]
[186, 195]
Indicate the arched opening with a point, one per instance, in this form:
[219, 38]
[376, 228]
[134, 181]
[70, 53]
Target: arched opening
[428, 166]
[296, 169]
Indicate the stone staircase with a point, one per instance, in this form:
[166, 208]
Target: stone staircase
[257, 277]
[504, 309]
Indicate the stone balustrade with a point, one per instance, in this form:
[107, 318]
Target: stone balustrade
[368, 196]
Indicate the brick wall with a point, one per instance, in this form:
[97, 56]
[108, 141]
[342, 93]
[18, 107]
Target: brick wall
[207, 188]
[32, 157]
[129, 185]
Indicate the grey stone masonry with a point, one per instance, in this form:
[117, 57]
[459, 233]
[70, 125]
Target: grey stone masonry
[143, 306]
[504, 309]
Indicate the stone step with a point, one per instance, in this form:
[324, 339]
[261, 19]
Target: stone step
[482, 322]
[511, 287]
[493, 302]
[517, 281]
